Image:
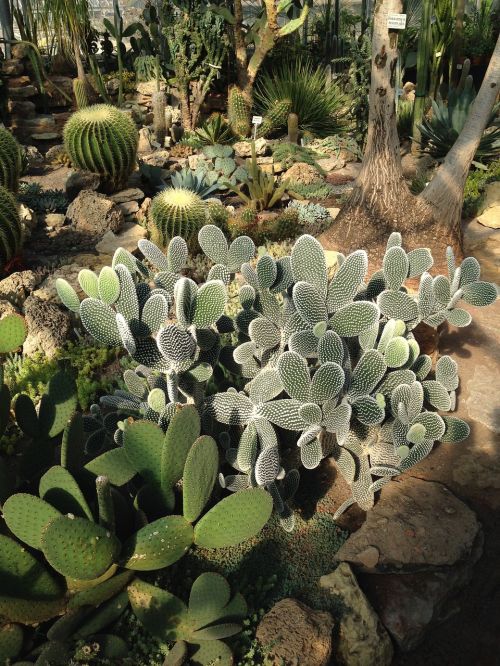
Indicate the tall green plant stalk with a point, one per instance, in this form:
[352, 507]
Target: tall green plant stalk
[423, 54]
[118, 33]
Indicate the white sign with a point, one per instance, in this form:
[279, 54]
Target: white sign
[257, 120]
[396, 21]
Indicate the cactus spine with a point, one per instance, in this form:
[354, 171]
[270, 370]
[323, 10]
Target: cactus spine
[103, 140]
[10, 160]
[10, 227]
[238, 112]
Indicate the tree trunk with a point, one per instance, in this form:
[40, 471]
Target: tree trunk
[381, 202]
[446, 191]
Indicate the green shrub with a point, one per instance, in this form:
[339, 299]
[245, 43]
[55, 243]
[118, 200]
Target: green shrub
[318, 106]
[474, 188]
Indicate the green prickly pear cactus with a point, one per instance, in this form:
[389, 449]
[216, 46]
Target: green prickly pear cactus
[13, 333]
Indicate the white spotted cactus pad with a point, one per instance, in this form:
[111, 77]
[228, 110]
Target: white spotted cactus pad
[331, 355]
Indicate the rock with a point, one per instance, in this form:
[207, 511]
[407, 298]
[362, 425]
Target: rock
[80, 180]
[302, 173]
[415, 525]
[265, 160]
[33, 155]
[132, 194]
[142, 215]
[333, 212]
[64, 83]
[92, 214]
[349, 172]
[159, 158]
[145, 139]
[55, 152]
[490, 217]
[7, 308]
[45, 136]
[23, 93]
[129, 208]
[13, 67]
[331, 163]
[244, 148]
[128, 238]
[414, 165]
[48, 327]
[21, 108]
[20, 51]
[362, 639]
[148, 87]
[28, 217]
[47, 290]
[18, 286]
[292, 634]
[54, 220]
[408, 604]
[194, 161]
[18, 81]
[484, 243]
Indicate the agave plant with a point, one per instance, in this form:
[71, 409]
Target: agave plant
[332, 359]
[195, 182]
[214, 131]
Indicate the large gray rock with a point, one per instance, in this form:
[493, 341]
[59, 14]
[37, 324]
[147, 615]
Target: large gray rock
[292, 634]
[48, 327]
[17, 287]
[415, 525]
[244, 148]
[91, 214]
[362, 639]
[80, 180]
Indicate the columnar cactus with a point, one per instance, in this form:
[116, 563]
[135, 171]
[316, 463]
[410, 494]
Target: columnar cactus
[276, 117]
[293, 128]
[10, 160]
[238, 113]
[103, 140]
[80, 93]
[10, 227]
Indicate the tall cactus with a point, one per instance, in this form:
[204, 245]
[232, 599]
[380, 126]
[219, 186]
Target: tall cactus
[293, 128]
[10, 160]
[238, 112]
[103, 140]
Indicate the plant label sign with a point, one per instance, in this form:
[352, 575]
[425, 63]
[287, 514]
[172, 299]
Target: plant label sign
[256, 121]
[396, 21]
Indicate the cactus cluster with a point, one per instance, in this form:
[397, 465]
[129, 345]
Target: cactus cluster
[331, 358]
[10, 160]
[103, 140]
[11, 233]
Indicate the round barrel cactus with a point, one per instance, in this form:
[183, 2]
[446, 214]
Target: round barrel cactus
[10, 227]
[177, 212]
[10, 160]
[103, 140]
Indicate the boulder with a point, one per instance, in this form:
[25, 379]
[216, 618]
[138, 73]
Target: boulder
[91, 214]
[490, 217]
[28, 218]
[292, 634]
[12, 67]
[21, 108]
[54, 220]
[18, 81]
[48, 327]
[244, 148]
[415, 525]
[331, 163]
[131, 194]
[18, 286]
[24, 92]
[145, 139]
[7, 308]
[128, 238]
[129, 208]
[484, 243]
[33, 155]
[302, 173]
[362, 638]
[346, 174]
[80, 180]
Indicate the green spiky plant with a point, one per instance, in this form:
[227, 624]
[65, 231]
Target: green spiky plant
[177, 211]
[103, 140]
[333, 359]
[10, 160]
[11, 233]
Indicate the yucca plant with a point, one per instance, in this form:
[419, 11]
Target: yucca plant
[103, 140]
[263, 191]
[319, 106]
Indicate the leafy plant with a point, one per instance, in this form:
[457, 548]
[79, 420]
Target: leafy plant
[474, 187]
[103, 140]
[42, 201]
[214, 131]
[320, 107]
[188, 180]
[479, 29]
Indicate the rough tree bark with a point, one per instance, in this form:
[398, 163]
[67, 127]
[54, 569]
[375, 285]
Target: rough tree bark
[381, 201]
